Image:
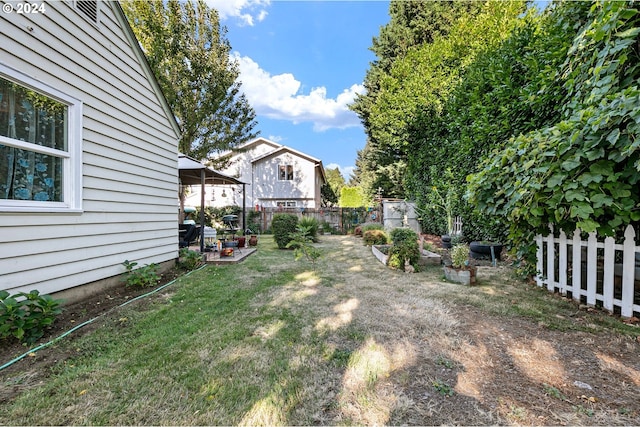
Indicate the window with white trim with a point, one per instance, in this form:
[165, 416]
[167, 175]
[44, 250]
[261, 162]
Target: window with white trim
[286, 204]
[40, 138]
[285, 172]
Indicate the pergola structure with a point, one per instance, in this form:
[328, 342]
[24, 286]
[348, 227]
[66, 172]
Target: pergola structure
[193, 172]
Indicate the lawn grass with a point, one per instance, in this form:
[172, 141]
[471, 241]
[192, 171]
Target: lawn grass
[210, 351]
[272, 341]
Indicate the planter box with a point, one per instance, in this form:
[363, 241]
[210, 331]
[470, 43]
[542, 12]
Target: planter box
[382, 257]
[465, 276]
[429, 258]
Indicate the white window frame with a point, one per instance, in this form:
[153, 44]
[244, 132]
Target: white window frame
[286, 165]
[286, 204]
[71, 159]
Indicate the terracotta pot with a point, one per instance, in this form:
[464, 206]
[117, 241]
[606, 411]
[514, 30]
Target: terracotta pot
[253, 240]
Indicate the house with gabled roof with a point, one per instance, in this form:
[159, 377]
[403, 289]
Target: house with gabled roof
[278, 176]
[88, 150]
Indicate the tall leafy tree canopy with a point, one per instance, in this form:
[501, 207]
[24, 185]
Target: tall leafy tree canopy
[421, 53]
[583, 169]
[189, 54]
[509, 88]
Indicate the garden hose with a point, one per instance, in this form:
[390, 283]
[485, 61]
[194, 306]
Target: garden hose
[41, 346]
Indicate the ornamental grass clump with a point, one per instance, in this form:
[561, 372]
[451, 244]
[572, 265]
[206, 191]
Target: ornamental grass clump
[312, 225]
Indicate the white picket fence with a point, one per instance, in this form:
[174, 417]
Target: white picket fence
[601, 272]
[457, 226]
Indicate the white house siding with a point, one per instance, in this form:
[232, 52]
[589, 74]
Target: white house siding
[129, 154]
[268, 190]
[263, 187]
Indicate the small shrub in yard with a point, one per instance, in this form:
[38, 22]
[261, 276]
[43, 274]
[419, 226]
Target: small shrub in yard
[301, 243]
[405, 248]
[367, 227]
[374, 237]
[143, 276]
[311, 224]
[460, 256]
[400, 253]
[26, 315]
[282, 226]
[189, 260]
[400, 235]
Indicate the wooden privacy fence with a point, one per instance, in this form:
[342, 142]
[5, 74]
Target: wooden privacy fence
[340, 219]
[599, 273]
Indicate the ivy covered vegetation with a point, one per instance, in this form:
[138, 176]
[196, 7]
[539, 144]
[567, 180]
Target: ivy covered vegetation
[521, 118]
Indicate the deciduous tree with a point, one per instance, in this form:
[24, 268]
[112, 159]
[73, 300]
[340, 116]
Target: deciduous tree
[189, 54]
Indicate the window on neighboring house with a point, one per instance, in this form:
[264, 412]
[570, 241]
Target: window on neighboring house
[286, 204]
[40, 132]
[285, 172]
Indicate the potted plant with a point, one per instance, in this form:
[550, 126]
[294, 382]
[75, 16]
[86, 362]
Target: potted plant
[241, 239]
[460, 270]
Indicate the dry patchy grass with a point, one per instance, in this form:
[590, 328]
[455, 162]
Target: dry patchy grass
[347, 341]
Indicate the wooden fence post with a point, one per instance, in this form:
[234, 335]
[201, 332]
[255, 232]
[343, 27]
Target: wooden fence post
[539, 263]
[607, 278]
[628, 272]
[562, 263]
[592, 268]
[551, 260]
[576, 265]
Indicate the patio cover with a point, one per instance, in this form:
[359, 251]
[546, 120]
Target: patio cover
[193, 172]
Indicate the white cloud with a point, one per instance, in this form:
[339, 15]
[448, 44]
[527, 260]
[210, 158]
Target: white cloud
[346, 171]
[247, 11]
[279, 97]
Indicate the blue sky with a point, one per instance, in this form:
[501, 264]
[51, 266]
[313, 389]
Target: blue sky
[301, 63]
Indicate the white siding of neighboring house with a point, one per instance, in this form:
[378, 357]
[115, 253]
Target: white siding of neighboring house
[263, 187]
[129, 154]
[269, 190]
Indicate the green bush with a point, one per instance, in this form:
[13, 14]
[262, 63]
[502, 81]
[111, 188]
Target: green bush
[459, 256]
[143, 276]
[367, 227]
[26, 319]
[282, 226]
[189, 260]
[399, 254]
[405, 247]
[401, 235]
[312, 225]
[374, 237]
[253, 221]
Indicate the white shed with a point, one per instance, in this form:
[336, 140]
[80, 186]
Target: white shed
[88, 150]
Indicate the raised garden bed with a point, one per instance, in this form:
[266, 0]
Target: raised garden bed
[381, 252]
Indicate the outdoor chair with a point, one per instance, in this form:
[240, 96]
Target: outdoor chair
[188, 234]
